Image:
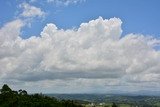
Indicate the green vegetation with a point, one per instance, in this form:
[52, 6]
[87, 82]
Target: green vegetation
[106, 100]
[10, 98]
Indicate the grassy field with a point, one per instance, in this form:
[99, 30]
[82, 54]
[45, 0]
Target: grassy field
[157, 104]
[124, 105]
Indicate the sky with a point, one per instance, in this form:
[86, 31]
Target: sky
[80, 46]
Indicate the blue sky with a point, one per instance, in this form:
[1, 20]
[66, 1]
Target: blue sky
[80, 46]
[140, 16]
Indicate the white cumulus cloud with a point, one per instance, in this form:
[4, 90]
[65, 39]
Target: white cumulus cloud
[95, 54]
[10, 31]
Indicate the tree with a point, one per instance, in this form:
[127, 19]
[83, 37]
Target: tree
[5, 89]
[114, 105]
[22, 92]
[9, 98]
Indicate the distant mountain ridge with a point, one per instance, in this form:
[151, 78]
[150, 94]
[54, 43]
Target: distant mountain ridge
[109, 98]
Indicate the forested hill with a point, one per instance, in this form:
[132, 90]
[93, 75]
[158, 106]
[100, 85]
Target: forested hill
[10, 98]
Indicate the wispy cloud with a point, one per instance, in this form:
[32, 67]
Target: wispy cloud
[31, 11]
[65, 2]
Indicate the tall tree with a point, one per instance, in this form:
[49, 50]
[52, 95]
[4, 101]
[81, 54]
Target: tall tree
[5, 89]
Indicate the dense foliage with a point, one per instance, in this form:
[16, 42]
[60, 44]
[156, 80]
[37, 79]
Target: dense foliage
[10, 98]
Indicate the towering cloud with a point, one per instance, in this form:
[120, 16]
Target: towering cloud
[11, 30]
[96, 52]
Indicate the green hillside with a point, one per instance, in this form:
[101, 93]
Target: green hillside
[10, 98]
